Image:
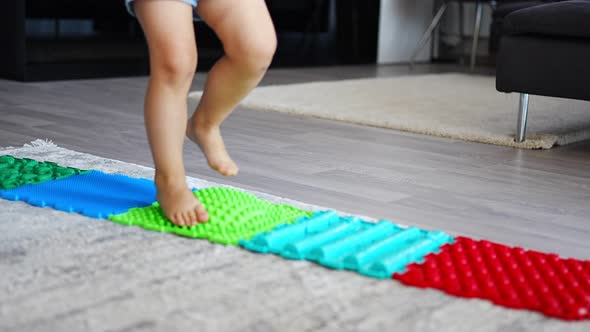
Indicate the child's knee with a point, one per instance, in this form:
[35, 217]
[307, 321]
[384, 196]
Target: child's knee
[177, 68]
[255, 55]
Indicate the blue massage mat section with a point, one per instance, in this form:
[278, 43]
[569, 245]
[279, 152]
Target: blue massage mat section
[95, 194]
[373, 249]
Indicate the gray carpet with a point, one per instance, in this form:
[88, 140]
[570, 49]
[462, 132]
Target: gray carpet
[66, 272]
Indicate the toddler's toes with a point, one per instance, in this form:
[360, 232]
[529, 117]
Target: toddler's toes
[202, 214]
[192, 216]
[230, 170]
[177, 219]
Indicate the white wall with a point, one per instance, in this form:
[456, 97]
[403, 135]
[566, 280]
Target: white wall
[401, 26]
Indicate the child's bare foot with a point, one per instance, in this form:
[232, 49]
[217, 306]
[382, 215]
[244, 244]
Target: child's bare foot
[179, 203]
[209, 139]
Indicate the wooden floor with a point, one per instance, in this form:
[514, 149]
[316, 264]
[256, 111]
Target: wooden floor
[536, 199]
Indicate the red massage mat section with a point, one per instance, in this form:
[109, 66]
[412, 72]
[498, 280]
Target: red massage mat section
[507, 276]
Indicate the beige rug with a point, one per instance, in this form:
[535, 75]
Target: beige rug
[459, 106]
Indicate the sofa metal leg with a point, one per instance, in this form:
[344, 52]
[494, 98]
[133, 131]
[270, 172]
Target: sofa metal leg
[476, 29]
[428, 32]
[523, 110]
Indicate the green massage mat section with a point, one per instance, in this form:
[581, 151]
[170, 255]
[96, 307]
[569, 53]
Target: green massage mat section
[234, 215]
[16, 172]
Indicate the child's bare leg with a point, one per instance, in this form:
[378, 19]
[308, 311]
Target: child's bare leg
[168, 27]
[249, 40]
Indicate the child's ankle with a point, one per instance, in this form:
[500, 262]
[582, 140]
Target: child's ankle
[176, 180]
[200, 123]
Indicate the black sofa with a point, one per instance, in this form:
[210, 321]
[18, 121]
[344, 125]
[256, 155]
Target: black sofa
[502, 9]
[545, 50]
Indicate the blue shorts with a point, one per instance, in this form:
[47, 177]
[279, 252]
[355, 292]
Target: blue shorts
[131, 10]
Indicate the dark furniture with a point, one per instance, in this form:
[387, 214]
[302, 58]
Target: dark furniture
[503, 9]
[500, 9]
[69, 39]
[545, 50]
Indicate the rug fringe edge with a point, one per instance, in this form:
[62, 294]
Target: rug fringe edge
[32, 144]
[40, 143]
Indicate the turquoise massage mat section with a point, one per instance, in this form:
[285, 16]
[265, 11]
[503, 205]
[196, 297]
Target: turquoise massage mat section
[372, 249]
